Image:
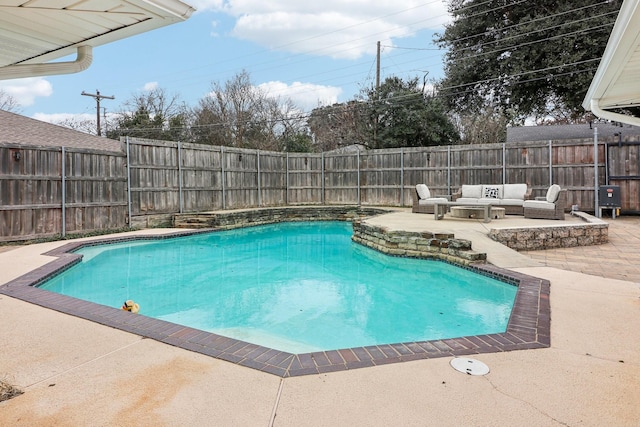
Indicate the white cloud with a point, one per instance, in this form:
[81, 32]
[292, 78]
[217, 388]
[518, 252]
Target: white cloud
[334, 28]
[306, 96]
[214, 33]
[25, 91]
[148, 87]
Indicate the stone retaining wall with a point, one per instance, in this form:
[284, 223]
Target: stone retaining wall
[552, 237]
[441, 246]
[248, 217]
[152, 221]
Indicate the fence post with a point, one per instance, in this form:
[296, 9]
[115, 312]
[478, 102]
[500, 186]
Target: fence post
[259, 188]
[286, 189]
[358, 175]
[550, 163]
[595, 170]
[322, 177]
[180, 195]
[224, 204]
[449, 169]
[504, 163]
[63, 190]
[401, 177]
[128, 182]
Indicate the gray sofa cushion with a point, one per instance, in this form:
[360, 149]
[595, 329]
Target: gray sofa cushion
[471, 191]
[432, 200]
[552, 193]
[512, 202]
[514, 191]
[423, 191]
[539, 204]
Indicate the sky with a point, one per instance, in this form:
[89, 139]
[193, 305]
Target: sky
[315, 53]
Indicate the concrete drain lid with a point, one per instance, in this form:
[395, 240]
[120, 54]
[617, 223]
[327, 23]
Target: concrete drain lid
[469, 366]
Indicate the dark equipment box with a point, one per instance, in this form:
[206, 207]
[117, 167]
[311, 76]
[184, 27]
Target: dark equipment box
[609, 196]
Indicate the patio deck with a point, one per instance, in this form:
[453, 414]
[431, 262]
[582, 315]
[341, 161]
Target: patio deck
[75, 372]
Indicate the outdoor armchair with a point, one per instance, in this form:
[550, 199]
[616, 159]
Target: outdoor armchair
[549, 207]
[423, 200]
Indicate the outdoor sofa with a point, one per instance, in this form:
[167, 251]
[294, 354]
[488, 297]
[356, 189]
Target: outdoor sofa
[511, 197]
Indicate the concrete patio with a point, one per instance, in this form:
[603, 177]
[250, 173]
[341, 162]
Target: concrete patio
[76, 372]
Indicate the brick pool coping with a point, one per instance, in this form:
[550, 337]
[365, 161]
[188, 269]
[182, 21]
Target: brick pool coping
[528, 326]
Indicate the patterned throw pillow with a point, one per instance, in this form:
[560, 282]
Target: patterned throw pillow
[491, 193]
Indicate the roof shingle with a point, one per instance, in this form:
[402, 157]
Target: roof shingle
[17, 129]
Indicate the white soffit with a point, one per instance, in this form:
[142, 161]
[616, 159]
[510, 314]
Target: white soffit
[617, 80]
[38, 31]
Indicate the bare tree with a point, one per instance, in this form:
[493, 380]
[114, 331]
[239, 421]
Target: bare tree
[79, 124]
[8, 102]
[240, 114]
[489, 127]
[340, 125]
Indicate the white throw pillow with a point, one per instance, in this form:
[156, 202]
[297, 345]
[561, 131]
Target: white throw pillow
[492, 191]
[514, 191]
[552, 193]
[471, 191]
[423, 191]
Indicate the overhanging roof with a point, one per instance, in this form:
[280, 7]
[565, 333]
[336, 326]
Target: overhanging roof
[616, 83]
[38, 31]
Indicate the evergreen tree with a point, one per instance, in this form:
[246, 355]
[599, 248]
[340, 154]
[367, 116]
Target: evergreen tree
[152, 114]
[402, 115]
[524, 58]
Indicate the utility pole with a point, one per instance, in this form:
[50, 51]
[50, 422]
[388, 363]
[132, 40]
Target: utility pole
[375, 124]
[97, 97]
[378, 68]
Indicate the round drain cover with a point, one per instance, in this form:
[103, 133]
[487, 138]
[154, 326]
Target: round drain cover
[469, 366]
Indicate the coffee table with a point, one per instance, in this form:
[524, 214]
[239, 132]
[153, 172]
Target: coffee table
[476, 212]
[440, 208]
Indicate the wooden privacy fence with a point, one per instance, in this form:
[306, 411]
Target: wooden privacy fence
[46, 191]
[168, 177]
[49, 191]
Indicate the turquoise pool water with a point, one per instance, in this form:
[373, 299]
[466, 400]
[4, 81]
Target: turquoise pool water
[295, 287]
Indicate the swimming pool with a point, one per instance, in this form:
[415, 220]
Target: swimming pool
[294, 287]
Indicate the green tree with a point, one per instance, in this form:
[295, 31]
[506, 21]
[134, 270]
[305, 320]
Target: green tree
[401, 114]
[298, 143]
[528, 59]
[152, 114]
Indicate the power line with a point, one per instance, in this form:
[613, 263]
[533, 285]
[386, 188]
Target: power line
[327, 110]
[97, 97]
[572, 11]
[508, 47]
[471, 6]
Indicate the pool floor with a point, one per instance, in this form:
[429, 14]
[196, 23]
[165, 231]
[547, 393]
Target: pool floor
[528, 327]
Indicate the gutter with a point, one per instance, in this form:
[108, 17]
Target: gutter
[610, 115]
[82, 62]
